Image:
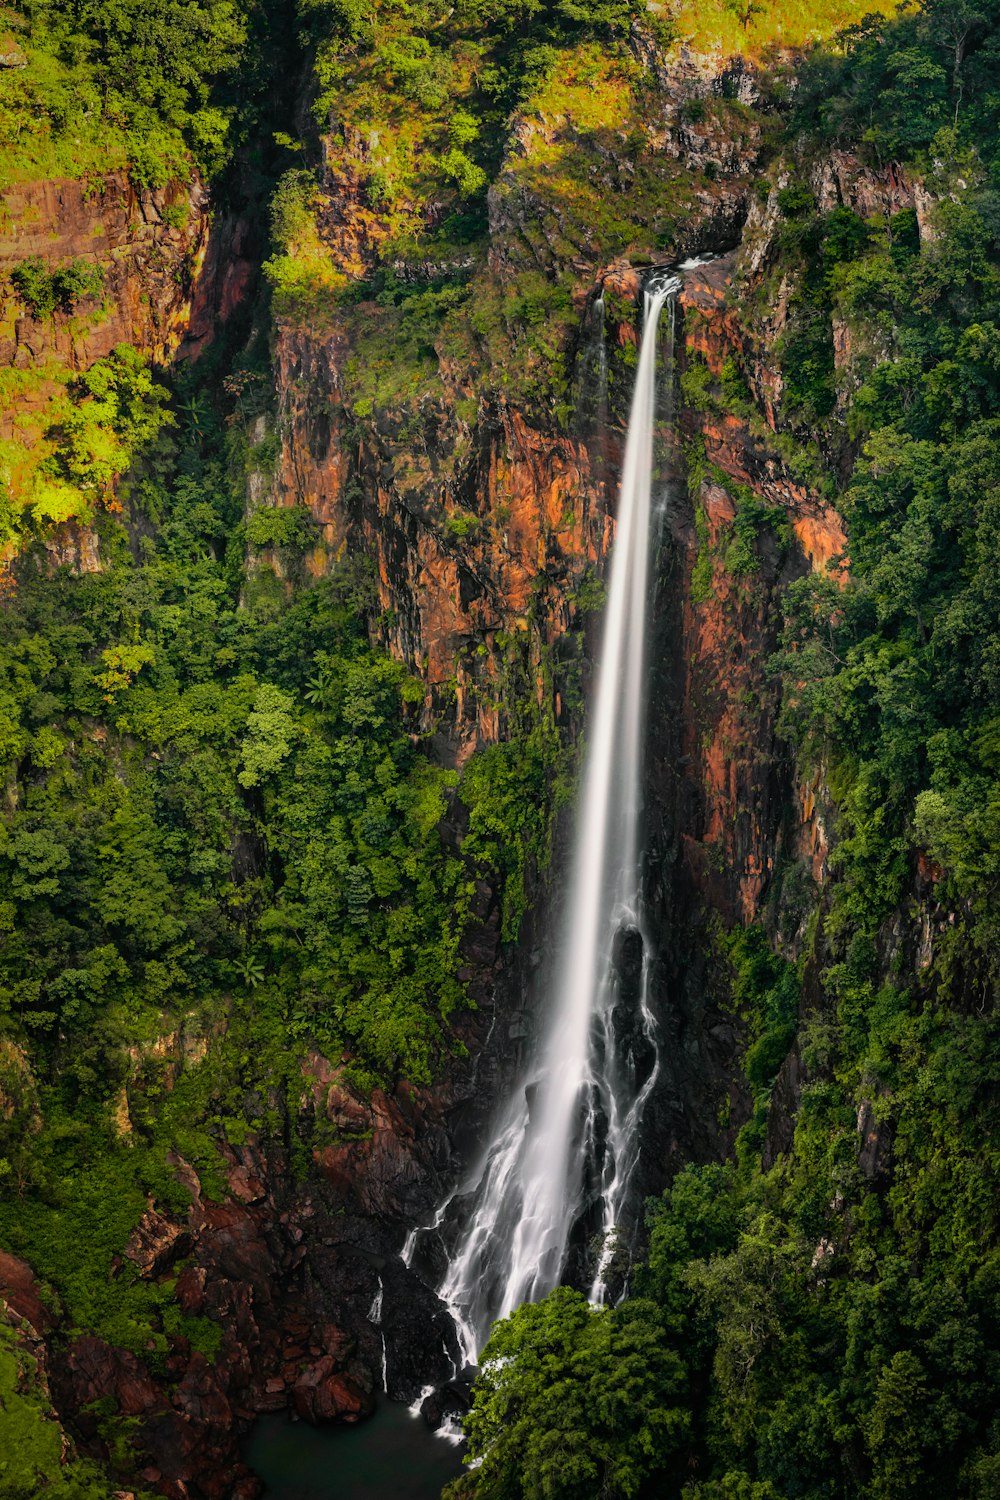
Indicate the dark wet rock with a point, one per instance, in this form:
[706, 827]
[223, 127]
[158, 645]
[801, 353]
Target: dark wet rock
[635, 1049]
[627, 958]
[447, 1403]
[326, 1392]
[783, 1108]
[875, 1154]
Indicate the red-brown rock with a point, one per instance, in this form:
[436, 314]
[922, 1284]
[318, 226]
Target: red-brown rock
[20, 1290]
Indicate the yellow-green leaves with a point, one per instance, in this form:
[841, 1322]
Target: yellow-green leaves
[121, 665]
[271, 731]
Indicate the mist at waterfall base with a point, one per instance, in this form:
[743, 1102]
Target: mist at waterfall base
[564, 1150]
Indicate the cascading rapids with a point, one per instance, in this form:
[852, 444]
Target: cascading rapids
[569, 1135]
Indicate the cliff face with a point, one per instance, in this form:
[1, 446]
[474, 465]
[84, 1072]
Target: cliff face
[736, 771]
[481, 491]
[134, 258]
[148, 246]
[458, 423]
[481, 528]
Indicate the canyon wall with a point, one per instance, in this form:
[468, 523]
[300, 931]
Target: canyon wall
[486, 511]
[488, 526]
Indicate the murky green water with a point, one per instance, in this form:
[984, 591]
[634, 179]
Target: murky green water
[392, 1456]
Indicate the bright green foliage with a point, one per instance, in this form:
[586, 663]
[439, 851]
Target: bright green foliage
[32, 1463]
[765, 994]
[222, 821]
[92, 435]
[896, 85]
[423, 99]
[140, 870]
[504, 787]
[115, 80]
[573, 1402]
[43, 291]
[279, 526]
[120, 410]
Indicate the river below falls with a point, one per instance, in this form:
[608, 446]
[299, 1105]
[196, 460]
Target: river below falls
[392, 1456]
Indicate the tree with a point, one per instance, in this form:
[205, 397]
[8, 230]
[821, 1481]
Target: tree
[745, 11]
[574, 1402]
[955, 22]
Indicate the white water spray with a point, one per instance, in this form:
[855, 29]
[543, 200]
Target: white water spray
[375, 1318]
[568, 1142]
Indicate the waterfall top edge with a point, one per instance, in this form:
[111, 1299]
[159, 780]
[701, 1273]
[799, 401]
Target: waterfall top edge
[663, 282]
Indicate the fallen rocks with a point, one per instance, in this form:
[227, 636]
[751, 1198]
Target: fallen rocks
[324, 1393]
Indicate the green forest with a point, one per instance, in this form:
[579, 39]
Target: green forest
[226, 816]
[810, 1330]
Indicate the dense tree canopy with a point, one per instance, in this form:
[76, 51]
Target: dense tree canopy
[222, 818]
[836, 1314]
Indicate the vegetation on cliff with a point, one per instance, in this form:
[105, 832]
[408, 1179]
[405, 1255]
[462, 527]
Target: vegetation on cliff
[93, 85]
[834, 1304]
[226, 839]
[221, 847]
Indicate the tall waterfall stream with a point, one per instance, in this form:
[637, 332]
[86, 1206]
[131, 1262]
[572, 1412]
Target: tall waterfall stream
[567, 1142]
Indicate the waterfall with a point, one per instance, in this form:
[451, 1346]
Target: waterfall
[591, 381]
[375, 1318]
[566, 1145]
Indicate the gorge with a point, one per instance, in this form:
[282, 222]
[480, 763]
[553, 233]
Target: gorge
[500, 733]
[576, 1120]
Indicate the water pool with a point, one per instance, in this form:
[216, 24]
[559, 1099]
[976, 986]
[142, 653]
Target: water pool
[392, 1456]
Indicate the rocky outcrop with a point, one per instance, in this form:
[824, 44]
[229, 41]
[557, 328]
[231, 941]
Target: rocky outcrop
[20, 1291]
[477, 557]
[737, 778]
[147, 246]
[155, 1243]
[247, 1268]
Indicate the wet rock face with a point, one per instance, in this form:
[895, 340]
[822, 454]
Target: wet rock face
[724, 805]
[329, 1389]
[448, 1403]
[635, 1050]
[735, 776]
